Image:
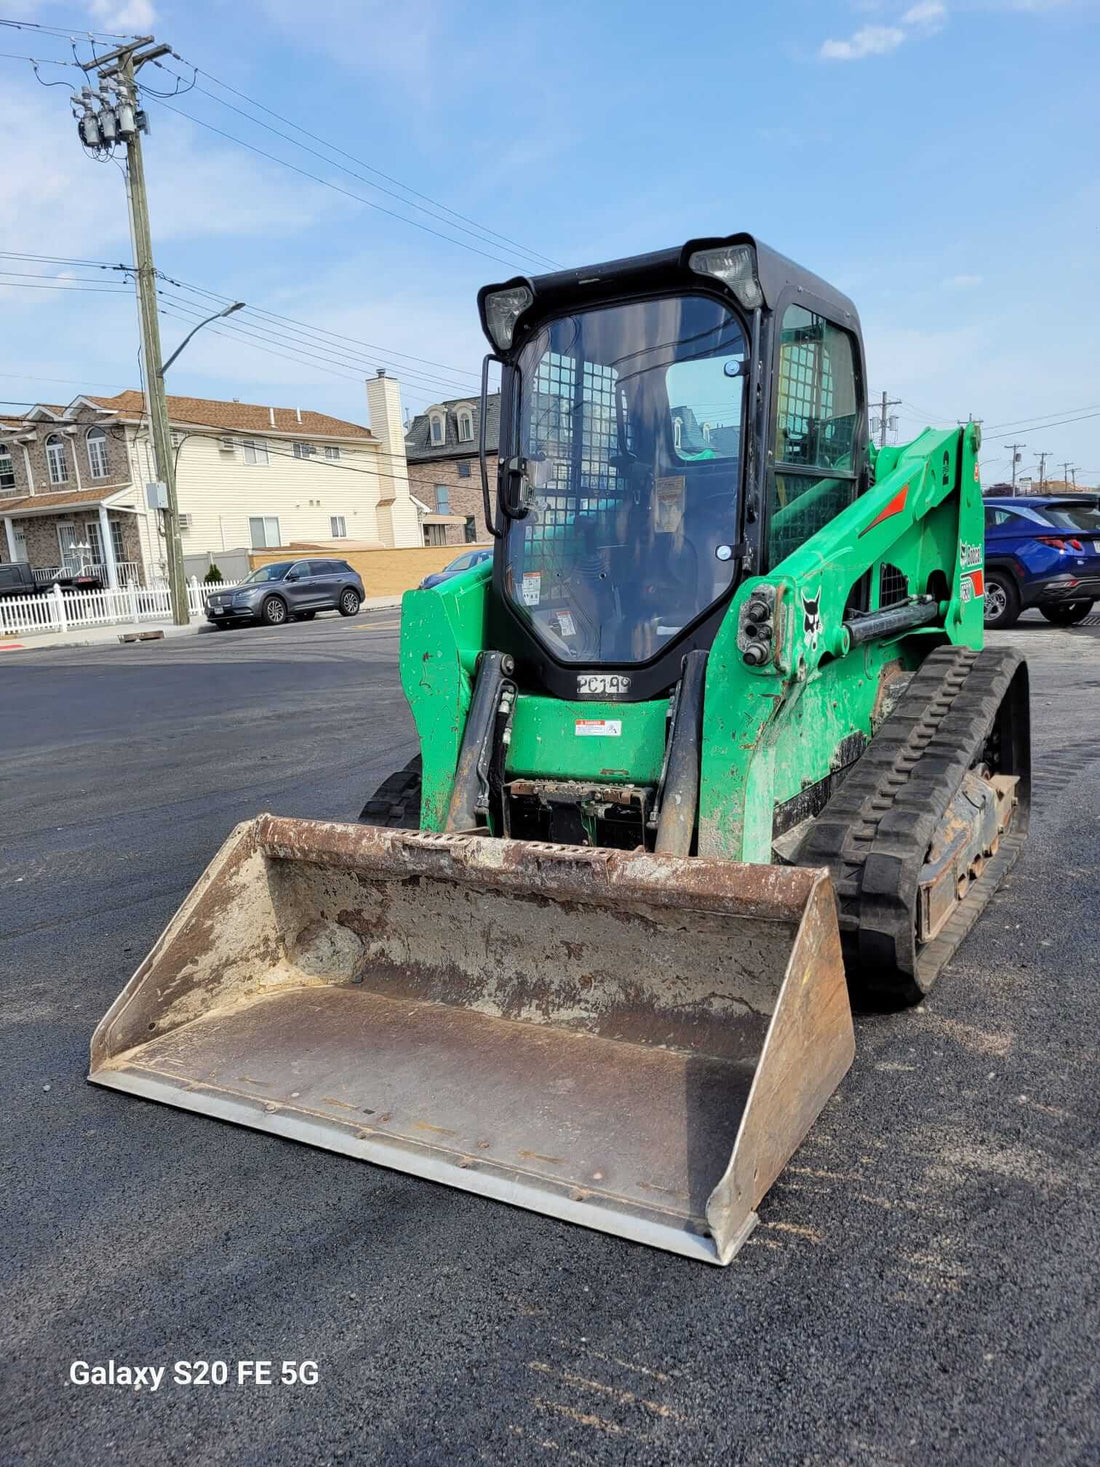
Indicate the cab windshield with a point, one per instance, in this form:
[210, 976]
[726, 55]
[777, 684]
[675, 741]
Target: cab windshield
[625, 503]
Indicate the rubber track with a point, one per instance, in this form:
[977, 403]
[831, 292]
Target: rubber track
[875, 832]
[396, 801]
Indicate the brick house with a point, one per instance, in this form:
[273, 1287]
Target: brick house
[441, 446]
[248, 477]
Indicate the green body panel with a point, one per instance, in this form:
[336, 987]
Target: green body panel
[545, 740]
[771, 732]
[442, 633]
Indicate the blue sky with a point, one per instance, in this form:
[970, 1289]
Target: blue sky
[938, 162]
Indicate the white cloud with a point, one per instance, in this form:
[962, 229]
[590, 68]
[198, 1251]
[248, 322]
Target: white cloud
[869, 40]
[928, 12]
[962, 282]
[880, 40]
[124, 16]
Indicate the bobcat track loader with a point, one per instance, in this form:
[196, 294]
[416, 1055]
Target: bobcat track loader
[711, 745]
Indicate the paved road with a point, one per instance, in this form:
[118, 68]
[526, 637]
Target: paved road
[923, 1285]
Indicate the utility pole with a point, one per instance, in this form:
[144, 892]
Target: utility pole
[123, 120]
[1043, 471]
[1066, 469]
[883, 422]
[1016, 457]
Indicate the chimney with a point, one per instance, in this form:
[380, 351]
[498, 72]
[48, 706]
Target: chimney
[298, 413]
[384, 406]
[271, 415]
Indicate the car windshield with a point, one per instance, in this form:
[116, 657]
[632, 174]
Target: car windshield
[629, 439]
[464, 562]
[1072, 516]
[274, 572]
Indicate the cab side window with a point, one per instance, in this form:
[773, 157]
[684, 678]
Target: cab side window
[817, 412]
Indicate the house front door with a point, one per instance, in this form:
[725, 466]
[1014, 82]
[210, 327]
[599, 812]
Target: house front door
[67, 540]
[20, 536]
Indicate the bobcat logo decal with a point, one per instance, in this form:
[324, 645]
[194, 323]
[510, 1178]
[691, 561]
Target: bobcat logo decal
[811, 608]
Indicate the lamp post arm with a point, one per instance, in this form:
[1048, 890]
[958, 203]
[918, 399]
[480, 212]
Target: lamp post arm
[215, 317]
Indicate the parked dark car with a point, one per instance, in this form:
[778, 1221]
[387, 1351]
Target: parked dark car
[456, 567]
[17, 579]
[289, 590]
[1042, 551]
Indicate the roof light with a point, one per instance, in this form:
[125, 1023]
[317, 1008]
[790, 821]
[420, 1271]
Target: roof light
[502, 310]
[733, 265]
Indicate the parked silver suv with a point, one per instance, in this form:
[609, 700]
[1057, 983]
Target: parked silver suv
[289, 590]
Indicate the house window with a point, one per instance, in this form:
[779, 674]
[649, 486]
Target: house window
[7, 470]
[255, 451]
[303, 450]
[435, 534]
[438, 430]
[442, 499]
[55, 459]
[465, 426]
[97, 453]
[332, 450]
[470, 529]
[264, 532]
[116, 541]
[463, 471]
[338, 526]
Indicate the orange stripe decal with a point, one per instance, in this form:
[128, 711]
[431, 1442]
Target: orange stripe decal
[896, 505]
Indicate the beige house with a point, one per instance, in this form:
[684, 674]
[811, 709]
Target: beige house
[248, 477]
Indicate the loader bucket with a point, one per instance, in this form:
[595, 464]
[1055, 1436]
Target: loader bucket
[629, 1041]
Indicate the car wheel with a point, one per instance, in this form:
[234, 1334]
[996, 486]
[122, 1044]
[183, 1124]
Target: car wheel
[273, 613]
[349, 602]
[1067, 613]
[1002, 600]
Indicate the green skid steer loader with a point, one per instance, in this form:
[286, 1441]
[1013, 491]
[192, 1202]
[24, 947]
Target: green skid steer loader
[708, 749]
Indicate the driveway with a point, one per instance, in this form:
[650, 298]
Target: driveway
[923, 1285]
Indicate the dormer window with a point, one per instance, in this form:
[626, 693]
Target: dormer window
[438, 429]
[465, 425]
[55, 459]
[97, 453]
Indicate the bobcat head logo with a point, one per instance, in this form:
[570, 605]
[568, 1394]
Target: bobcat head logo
[811, 608]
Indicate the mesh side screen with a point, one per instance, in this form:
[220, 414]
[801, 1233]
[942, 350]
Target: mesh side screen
[893, 586]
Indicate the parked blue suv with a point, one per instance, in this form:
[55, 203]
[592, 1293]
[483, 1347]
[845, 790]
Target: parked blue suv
[1042, 551]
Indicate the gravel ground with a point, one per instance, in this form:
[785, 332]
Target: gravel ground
[923, 1283]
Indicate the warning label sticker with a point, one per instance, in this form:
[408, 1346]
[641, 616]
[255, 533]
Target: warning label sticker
[599, 728]
[532, 588]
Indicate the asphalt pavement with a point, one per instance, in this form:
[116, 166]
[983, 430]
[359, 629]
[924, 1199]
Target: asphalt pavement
[923, 1285]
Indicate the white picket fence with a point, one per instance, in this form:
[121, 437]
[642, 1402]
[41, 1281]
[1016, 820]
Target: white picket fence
[59, 611]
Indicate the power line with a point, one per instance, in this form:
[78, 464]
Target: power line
[1024, 422]
[478, 232]
[1042, 428]
[66, 289]
[324, 332]
[62, 260]
[66, 32]
[327, 183]
[305, 347]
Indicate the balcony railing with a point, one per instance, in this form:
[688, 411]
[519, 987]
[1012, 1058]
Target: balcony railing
[129, 572]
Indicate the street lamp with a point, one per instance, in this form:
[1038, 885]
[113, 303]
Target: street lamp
[236, 306]
[158, 419]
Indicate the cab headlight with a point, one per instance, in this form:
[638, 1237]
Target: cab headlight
[503, 308]
[733, 265]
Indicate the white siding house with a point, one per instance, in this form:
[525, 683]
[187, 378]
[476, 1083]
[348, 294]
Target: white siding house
[248, 476]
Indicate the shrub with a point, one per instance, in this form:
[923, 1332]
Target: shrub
[213, 574]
